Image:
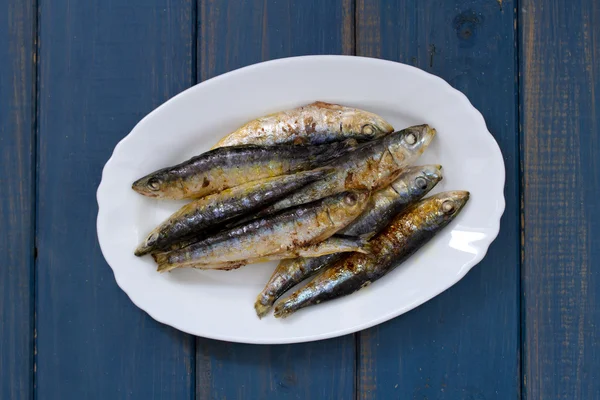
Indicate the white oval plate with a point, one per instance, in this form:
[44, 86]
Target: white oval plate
[218, 304]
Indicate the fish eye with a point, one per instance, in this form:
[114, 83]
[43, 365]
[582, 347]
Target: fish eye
[154, 183]
[351, 199]
[411, 139]
[152, 238]
[448, 206]
[421, 182]
[368, 129]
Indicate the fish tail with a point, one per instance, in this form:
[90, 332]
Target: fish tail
[288, 306]
[365, 247]
[263, 305]
[284, 310]
[362, 243]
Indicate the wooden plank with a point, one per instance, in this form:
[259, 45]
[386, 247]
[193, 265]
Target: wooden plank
[464, 343]
[233, 34]
[17, 191]
[104, 64]
[561, 282]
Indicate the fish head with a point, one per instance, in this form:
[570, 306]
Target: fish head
[148, 243]
[369, 125]
[420, 179]
[346, 206]
[438, 210]
[158, 184]
[409, 143]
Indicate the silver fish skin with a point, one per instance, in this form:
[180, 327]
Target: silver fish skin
[227, 167]
[406, 234]
[332, 245]
[411, 185]
[297, 227]
[315, 123]
[289, 273]
[371, 166]
[217, 208]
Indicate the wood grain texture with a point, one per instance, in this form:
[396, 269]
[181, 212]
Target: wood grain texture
[463, 344]
[320, 370]
[561, 281]
[233, 34]
[17, 163]
[104, 64]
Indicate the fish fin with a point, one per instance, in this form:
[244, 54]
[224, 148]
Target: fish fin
[367, 236]
[166, 267]
[224, 266]
[362, 241]
[231, 266]
[323, 104]
[365, 248]
[160, 257]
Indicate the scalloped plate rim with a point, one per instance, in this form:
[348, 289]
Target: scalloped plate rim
[484, 245]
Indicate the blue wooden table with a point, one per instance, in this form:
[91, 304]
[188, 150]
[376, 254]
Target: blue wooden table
[76, 76]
